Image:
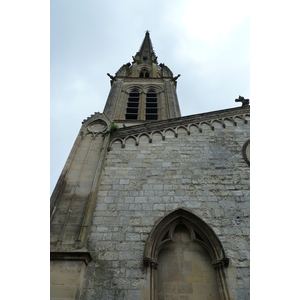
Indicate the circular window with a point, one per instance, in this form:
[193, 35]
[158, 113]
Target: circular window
[246, 152]
[96, 127]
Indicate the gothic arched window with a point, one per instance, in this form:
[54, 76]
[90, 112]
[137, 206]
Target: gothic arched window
[185, 257]
[185, 268]
[132, 109]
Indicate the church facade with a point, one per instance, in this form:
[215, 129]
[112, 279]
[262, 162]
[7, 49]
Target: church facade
[150, 204]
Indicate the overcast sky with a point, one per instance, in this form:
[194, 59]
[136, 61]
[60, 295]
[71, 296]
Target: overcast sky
[207, 42]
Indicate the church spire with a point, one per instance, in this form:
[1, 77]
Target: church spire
[146, 52]
[142, 90]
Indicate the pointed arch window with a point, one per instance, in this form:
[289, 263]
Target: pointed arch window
[185, 268]
[151, 105]
[132, 109]
[184, 256]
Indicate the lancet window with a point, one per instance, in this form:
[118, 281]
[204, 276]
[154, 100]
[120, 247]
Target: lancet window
[151, 105]
[132, 105]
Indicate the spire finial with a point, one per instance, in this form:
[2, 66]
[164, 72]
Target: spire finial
[146, 51]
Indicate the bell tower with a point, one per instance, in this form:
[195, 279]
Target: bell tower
[142, 90]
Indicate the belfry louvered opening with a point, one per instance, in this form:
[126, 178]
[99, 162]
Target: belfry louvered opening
[132, 106]
[151, 105]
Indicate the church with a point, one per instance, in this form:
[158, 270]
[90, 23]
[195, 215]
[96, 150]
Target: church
[150, 204]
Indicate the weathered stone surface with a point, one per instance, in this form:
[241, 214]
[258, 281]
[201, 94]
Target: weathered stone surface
[203, 172]
[66, 279]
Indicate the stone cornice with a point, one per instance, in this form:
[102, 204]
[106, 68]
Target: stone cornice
[71, 255]
[198, 120]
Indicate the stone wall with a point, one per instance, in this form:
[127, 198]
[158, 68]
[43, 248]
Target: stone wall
[73, 195]
[202, 172]
[66, 279]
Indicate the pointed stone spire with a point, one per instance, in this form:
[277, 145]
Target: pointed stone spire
[146, 52]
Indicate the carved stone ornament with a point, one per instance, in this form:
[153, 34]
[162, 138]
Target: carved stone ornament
[224, 262]
[96, 128]
[150, 263]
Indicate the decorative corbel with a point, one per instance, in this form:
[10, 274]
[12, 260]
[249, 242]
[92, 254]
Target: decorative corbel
[217, 264]
[148, 262]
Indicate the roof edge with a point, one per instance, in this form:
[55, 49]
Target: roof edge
[175, 122]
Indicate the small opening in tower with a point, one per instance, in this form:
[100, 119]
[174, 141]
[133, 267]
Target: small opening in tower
[144, 57]
[144, 73]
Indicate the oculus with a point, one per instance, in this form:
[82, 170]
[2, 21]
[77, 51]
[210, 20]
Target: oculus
[97, 127]
[246, 152]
